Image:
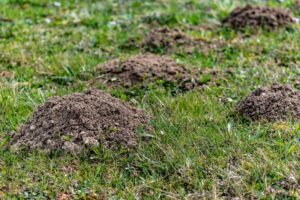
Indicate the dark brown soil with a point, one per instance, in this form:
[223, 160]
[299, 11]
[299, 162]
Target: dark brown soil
[144, 69]
[79, 121]
[255, 16]
[168, 40]
[277, 102]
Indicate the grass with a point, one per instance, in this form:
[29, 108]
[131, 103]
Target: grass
[198, 151]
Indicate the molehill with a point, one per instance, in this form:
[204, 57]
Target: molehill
[143, 69]
[277, 102]
[168, 40]
[81, 121]
[255, 16]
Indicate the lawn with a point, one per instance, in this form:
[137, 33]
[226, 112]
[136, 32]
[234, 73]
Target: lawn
[198, 149]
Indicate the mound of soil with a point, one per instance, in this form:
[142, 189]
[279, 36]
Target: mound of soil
[272, 103]
[144, 69]
[79, 121]
[167, 39]
[255, 16]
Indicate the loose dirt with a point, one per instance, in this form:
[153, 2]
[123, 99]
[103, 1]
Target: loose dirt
[80, 121]
[168, 40]
[255, 16]
[277, 102]
[144, 69]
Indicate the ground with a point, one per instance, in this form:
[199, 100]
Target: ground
[198, 149]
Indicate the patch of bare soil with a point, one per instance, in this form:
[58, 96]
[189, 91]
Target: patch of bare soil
[168, 40]
[277, 102]
[255, 16]
[6, 74]
[80, 121]
[144, 69]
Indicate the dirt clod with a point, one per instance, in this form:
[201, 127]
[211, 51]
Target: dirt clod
[255, 16]
[144, 69]
[277, 102]
[82, 120]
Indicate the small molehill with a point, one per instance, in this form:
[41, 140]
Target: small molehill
[277, 102]
[80, 121]
[167, 40]
[255, 16]
[144, 69]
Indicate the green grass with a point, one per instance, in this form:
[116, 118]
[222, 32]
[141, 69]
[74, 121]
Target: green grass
[198, 150]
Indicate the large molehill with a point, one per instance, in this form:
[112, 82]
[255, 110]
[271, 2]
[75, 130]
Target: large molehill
[81, 121]
[145, 69]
